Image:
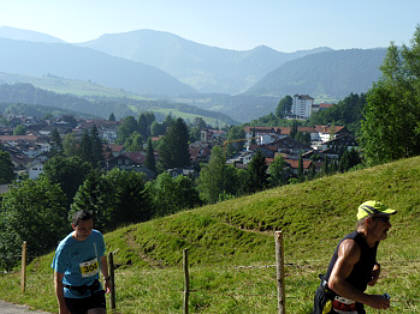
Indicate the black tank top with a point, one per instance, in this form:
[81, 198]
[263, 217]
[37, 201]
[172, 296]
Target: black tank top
[362, 270]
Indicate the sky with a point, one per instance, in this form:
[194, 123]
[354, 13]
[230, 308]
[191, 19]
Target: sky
[284, 25]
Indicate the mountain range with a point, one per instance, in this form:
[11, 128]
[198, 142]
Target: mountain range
[207, 69]
[160, 65]
[73, 62]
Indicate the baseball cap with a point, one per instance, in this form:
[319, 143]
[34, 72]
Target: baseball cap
[372, 208]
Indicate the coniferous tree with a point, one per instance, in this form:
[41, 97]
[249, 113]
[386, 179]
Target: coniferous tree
[111, 117]
[56, 143]
[277, 172]
[257, 170]
[96, 148]
[6, 168]
[173, 151]
[150, 162]
[325, 165]
[70, 145]
[294, 129]
[85, 148]
[300, 169]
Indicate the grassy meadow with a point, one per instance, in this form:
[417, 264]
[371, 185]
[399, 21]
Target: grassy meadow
[231, 248]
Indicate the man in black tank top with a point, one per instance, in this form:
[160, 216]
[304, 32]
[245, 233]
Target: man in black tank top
[353, 266]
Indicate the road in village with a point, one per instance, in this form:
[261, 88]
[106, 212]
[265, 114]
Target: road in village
[10, 308]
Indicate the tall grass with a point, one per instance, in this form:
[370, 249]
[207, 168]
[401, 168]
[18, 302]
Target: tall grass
[222, 237]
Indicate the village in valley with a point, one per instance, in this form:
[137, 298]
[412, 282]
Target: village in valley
[31, 150]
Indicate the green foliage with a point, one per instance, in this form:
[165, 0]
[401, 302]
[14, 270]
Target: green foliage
[216, 177]
[235, 140]
[90, 148]
[97, 148]
[150, 161]
[128, 125]
[130, 201]
[145, 121]
[134, 143]
[170, 195]
[6, 168]
[257, 170]
[157, 128]
[220, 238]
[96, 196]
[70, 145]
[347, 112]
[277, 172]
[115, 198]
[68, 172]
[173, 150]
[348, 160]
[19, 130]
[284, 107]
[391, 127]
[56, 143]
[111, 117]
[32, 211]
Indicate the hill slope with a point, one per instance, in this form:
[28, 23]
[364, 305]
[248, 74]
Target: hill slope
[313, 216]
[325, 76]
[27, 35]
[69, 61]
[206, 68]
[23, 93]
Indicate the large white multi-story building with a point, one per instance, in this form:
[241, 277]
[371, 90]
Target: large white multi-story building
[302, 106]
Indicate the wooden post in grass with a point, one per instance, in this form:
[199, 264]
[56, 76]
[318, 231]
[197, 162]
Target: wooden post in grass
[111, 275]
[278, 236]
[23, 268]
[187, 282]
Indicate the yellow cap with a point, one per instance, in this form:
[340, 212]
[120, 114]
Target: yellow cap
[374, 208]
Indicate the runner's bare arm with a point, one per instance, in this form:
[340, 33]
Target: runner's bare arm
[348, 256]
[376, 271]
[104, 271]
[58, 285]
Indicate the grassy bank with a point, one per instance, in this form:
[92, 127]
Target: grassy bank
[223, 237]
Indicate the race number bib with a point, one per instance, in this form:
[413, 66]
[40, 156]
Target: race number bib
[89, 268]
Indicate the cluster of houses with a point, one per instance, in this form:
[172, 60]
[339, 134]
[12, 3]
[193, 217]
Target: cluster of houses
[29, 152]
[325, 141]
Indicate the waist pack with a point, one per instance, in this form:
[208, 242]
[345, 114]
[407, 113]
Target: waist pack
[81, 290]
[323, 298]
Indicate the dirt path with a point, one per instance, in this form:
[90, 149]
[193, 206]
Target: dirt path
[10, 308]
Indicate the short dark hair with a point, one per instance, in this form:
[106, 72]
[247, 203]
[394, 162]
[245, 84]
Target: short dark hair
[81, 215]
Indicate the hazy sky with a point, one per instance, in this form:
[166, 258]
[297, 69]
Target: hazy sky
[285, 25]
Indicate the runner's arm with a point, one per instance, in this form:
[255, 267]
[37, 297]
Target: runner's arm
[58, 285]
[376, 271]
[104, 271]
[348, 256]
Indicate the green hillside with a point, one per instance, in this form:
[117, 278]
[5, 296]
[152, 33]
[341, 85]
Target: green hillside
[220, 238]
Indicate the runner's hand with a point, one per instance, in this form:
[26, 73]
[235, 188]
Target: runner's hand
[378, 302]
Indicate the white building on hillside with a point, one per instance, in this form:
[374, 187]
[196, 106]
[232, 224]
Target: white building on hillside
[302, 106]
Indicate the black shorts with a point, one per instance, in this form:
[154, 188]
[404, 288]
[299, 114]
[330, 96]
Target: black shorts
[81, 306]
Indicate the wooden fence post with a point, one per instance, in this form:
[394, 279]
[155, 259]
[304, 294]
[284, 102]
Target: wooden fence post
[187, 282]
[278, 236]
[112, 277]
[23, 268]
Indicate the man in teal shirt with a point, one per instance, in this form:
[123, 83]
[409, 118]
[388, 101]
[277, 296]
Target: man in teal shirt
[77, 262]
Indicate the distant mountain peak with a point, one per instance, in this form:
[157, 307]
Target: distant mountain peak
[27, 35]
